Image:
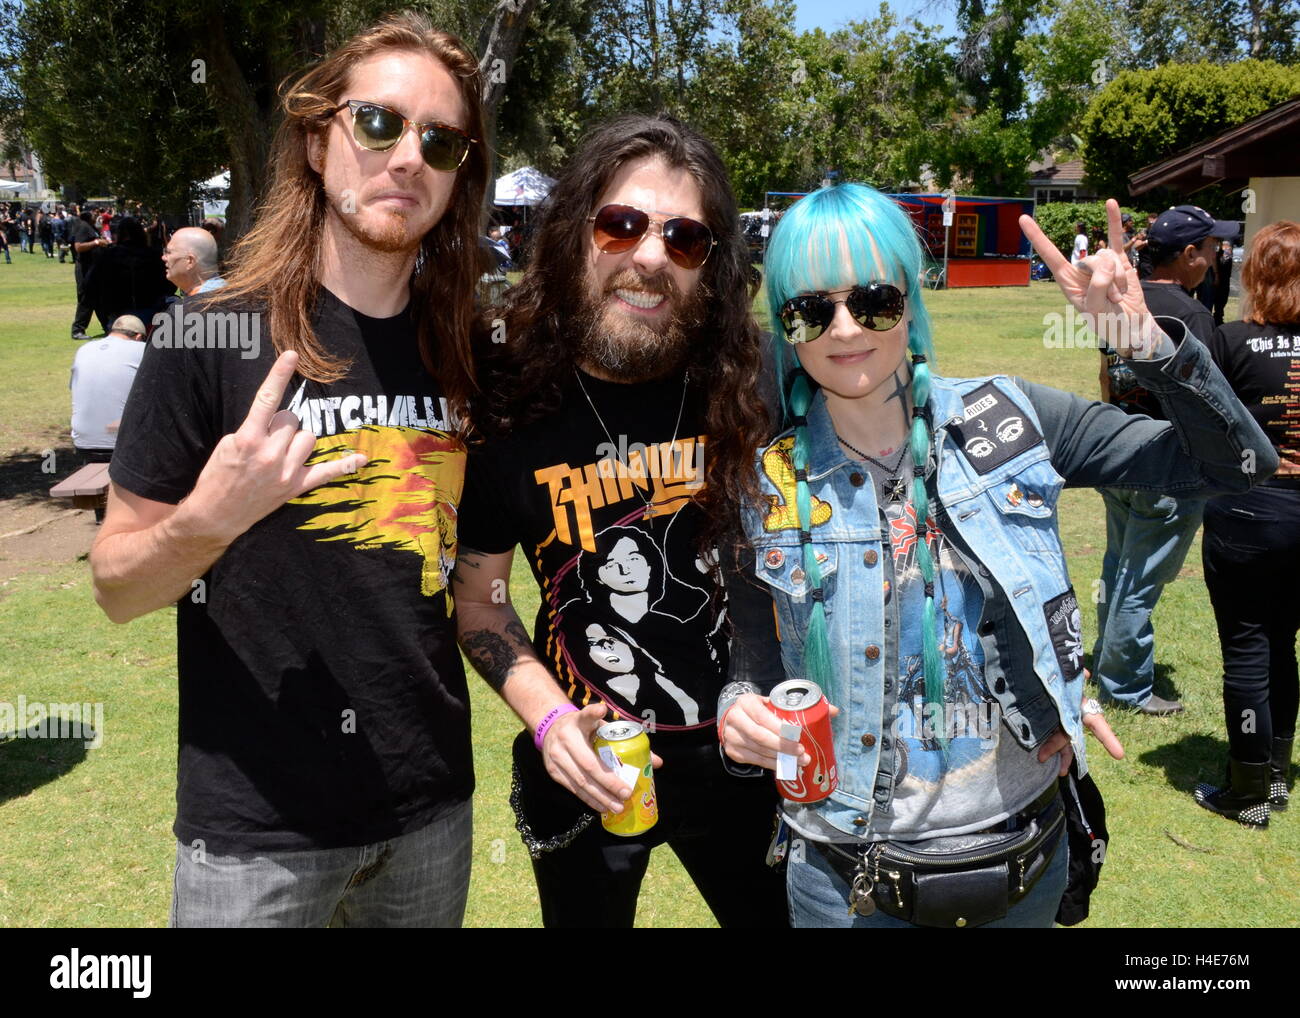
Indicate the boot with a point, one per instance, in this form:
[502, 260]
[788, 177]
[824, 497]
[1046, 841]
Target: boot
[1280, 777]
[1245, 798]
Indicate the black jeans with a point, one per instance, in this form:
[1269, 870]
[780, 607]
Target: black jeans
[81, 321]
[718, 826]
[1251, 555]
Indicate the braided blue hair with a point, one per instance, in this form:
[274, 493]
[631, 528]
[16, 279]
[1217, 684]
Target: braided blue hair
[856, 225]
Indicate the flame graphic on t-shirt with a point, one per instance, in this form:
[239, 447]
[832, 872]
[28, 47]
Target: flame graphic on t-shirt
[405, 497]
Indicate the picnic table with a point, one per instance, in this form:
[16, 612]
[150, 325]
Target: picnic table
[87, 488]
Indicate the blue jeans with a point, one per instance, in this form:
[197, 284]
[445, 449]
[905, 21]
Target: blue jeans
[1147, 537]
[819, 898]
[419, 879]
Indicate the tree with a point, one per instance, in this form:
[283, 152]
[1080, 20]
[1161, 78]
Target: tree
[1219, 31]
[1144, 116]
[146, 97]
[991, 143]
[746, 95]
[872, 97]
[541, 115]
[1069, 62]
[96, 96]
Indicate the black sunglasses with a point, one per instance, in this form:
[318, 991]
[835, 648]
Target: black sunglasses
[619, 228]
[875, 306]
[377, 128]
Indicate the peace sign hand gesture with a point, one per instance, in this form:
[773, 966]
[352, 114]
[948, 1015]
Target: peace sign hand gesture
[1105, 289]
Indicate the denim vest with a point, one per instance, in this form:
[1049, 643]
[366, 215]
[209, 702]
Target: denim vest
[996, 503]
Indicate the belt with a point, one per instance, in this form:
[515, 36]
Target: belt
[959, 880]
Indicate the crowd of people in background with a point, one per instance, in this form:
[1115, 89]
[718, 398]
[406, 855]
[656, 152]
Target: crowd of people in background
[659, 340]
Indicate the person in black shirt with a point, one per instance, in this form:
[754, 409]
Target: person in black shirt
[619, 423]
[1144, 263]
[128, 278]
[85, 246]
[301, 508]
[1148, 533]
[1251, 551]
[1222, 279]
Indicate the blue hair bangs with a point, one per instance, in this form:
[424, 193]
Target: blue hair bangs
[837, 237]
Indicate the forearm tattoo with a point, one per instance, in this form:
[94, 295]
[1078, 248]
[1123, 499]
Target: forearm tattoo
[493, 654]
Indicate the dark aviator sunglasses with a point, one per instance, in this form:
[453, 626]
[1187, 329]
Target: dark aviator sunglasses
[619, 228]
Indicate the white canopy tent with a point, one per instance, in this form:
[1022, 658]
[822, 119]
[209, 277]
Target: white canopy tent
[525, 186]
[219, 182]
[214, 206]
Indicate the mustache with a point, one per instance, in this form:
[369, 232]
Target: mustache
[630, 279]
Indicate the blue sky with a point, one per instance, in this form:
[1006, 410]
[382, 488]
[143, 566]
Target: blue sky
[831, 14]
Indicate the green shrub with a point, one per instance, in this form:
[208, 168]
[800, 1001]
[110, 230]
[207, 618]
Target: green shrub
[1057, 219]
[1142, 117]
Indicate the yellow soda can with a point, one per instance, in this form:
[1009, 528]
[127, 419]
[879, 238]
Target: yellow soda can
[624, 747]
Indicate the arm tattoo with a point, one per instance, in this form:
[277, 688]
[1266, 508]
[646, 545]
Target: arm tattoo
[492, 654]
[466, 558]
[516, 629]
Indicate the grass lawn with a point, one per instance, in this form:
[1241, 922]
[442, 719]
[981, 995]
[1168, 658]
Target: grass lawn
[85, 834]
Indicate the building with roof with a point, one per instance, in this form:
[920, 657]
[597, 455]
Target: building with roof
[1260, 157]
[1050, 181]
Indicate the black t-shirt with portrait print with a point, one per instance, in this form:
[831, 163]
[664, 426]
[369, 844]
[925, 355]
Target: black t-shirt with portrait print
[600, 498]
[323, 701]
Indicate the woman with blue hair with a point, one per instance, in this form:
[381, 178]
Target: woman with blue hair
[907, 534]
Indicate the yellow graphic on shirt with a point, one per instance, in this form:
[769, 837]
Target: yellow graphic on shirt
[665, 476]
[781, 511]
[404, 498]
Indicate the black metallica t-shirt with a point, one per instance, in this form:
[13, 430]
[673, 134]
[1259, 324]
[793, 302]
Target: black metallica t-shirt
[600, 497]
[323, 702]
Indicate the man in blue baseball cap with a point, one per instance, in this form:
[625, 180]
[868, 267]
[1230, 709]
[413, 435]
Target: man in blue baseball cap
[1147, 533]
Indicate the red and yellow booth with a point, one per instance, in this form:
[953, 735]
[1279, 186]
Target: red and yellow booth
[985, 245]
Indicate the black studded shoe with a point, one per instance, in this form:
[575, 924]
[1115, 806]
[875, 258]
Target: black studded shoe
[1279, 789]
[1244, 799]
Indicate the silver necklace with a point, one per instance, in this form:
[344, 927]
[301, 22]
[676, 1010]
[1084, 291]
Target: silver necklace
[614, 445]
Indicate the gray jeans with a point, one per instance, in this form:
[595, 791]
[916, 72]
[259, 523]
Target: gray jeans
[420, 879]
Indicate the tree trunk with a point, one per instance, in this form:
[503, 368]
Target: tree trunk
[497, 45]
[1255, 33]
[244, 124]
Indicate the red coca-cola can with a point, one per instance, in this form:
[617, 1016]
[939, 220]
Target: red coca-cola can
[801, 703]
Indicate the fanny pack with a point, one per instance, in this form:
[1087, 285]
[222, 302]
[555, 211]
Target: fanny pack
[956, 881]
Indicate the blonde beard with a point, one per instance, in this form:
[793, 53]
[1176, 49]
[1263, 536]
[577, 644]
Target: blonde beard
[390, 235]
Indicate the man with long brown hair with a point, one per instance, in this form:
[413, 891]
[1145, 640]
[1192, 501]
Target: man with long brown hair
[305, 519]
[622, 415]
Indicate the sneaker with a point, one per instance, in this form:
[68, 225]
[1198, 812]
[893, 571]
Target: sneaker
[79, 335]
[1159, 708]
